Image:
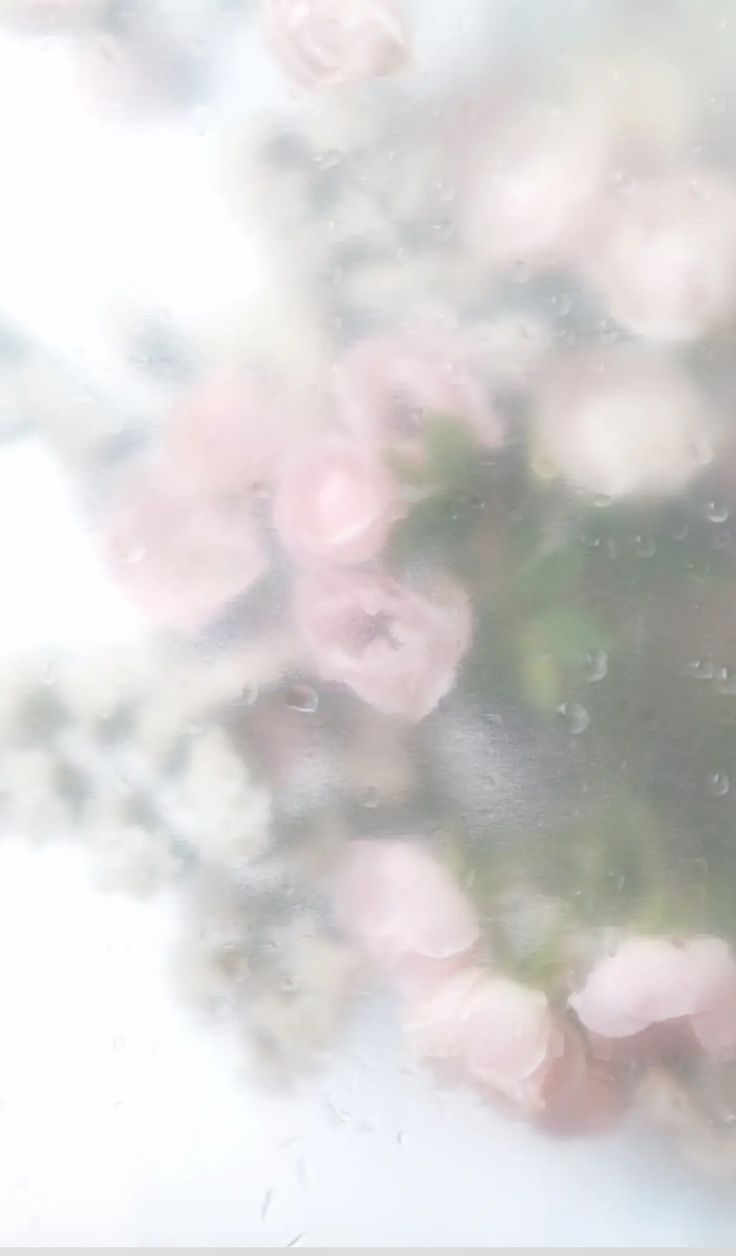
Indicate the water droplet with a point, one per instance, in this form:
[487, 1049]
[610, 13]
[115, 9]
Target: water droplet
[716, 512]
[702, 669]
[563, 304]
[302, 698]
[521, 272]
[576, 717]
[726, 681]
[596, 665]
[443, 230]
[266, 1205]
[370, 798]
[645, 545]
[296, 1240]
[249, 695]
[717, 104]
[289, 985]
[401, 1138]
[602, 501]
[718, 784]
[680, 533]
[625, 182]
[330, 158]
[447, 193]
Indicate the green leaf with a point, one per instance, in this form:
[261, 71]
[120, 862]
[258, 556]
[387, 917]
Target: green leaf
[566, 633]
[541, 682]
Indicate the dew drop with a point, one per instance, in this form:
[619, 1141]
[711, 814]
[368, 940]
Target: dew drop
[576, 717]
[446, 192]
[716, 512]
[596, 665]
[302, 698]
[702, 669]
[602, 501]
[330, 158]
[645, 545]
[726, 681]
[718, 784]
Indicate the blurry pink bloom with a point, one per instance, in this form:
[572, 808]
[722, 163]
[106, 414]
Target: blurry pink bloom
[580, 1091]
[388, 386]
[334, 502]
[321, 43]
[650, 980]
[531, 181]
[181, 557]
[224, 438]
[397, 649]
[623, 422]
[502, 1034]
[400, 905]
[663, 256]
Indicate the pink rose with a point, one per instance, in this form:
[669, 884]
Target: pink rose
[396, 648]
[401, 906]
[321, 43]
[581, 1094]
[530, 184]
[653, 980]
[387, 387]
[663, 256]
[224, 438]
[503, 1035]
[183, 557]
[334, 502]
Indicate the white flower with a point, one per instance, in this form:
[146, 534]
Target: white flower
[22, 676]
[186, 690]
[211, 963]
[126, 856]
[663, 255]
[229, 816]
[530, 183]
[31, 794]
[295, 1006]
[623, 422]
[96, 685]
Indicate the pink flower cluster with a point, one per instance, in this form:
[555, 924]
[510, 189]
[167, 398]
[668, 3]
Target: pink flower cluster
[657, 982]
[414, 923]
[192, 535]
[398, 903]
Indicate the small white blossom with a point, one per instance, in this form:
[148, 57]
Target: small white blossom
[229, 814]
[125, 855]
[623, 423]
[296, 1007]
[31, 795]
